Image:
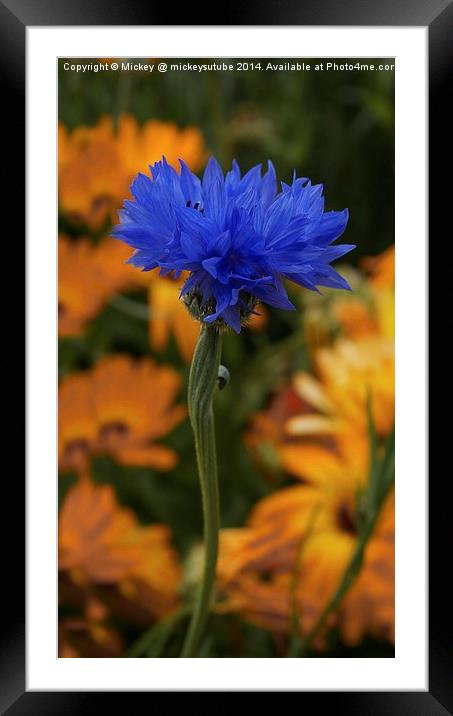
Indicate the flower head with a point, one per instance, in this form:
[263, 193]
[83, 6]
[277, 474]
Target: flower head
[349, 372]
[133, 567]
[77, 269]
[258, 563]
[235, 234]
[121, 407]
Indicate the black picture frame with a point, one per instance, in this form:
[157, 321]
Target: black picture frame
[15, 16]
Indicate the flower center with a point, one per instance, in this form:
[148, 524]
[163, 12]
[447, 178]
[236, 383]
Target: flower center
[76, 448]
[346, 519]
[199, 309]
[114, 430]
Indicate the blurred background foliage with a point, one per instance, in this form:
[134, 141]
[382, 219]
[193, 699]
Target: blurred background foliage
[336, 128]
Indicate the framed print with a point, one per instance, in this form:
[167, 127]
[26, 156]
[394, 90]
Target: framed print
[227, 306]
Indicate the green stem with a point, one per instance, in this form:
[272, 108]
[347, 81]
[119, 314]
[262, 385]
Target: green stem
[153, 640]
[202, 385]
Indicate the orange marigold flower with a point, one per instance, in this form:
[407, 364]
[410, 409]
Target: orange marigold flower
[354, 317]
[89, 275]
[92, 535]
[317, 429]
[368, 311]
[267, 430]
[91, 174]
[168, 314]
[81, 287]
[77, 427]
[382, 268]
[134, 407]
[150, 591]
[111, 258]
[133, 568]
[348, 372]
[120, 407]
[97, 164]
[383, 287]
[141, 146]
[258, 564]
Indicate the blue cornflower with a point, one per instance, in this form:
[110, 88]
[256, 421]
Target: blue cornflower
[235, 234]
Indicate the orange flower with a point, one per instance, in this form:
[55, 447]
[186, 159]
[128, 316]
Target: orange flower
[382, 268]
[93, 535]
[150, 590]
[327, 315]
[88, 276]
[111, 258]
[141, 146]
[368, 311]
[348, 372]
[97, 164]
[370, 604]
[259, 563]
[354, 317]
[134, 406]
[77, 426]
[383, 287]
[168, 315]
[354, 367]
[132, 568]
[267, 430]
[81, 288]
[91, 174]
[120, 407]
[299, 540]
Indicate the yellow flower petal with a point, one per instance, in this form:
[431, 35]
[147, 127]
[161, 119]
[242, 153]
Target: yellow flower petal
[313, 392]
